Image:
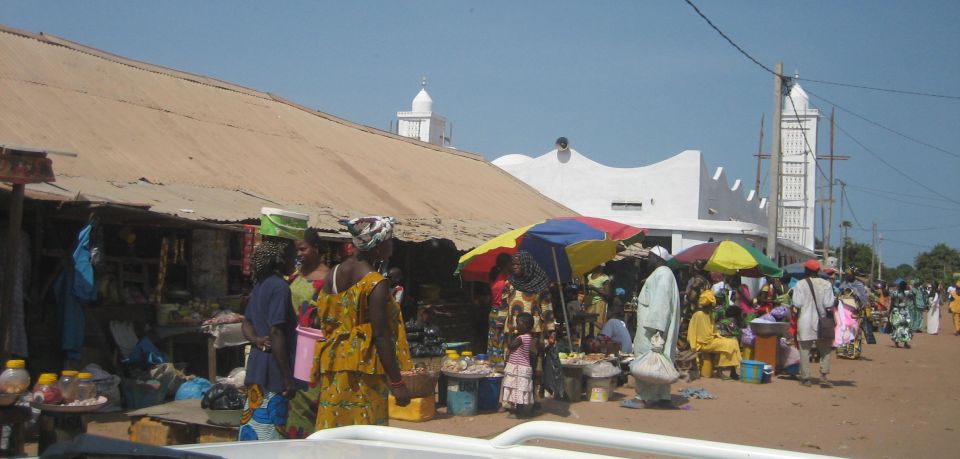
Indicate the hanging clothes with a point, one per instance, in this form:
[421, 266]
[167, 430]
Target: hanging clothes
[73, 289]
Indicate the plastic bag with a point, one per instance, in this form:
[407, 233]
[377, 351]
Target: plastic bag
[652, 367]
[193, 389]
[601, 370]
[222, 397]
[747, 337]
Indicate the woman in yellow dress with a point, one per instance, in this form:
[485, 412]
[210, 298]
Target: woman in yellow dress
[703, 337]
[598, 291]
[527, 290]
[358, 365]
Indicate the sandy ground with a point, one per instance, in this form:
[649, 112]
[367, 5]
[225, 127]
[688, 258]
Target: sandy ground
[894, 403]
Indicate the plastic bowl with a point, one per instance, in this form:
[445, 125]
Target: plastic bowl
[769, 328]
[229, 418]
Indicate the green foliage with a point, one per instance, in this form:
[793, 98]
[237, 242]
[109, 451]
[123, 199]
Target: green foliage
[857, 254]
[939, 264]
[903, 271]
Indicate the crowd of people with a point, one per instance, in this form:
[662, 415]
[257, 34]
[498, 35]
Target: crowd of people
[357, 366]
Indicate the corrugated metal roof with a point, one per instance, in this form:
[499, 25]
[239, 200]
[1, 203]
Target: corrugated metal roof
[172, 140]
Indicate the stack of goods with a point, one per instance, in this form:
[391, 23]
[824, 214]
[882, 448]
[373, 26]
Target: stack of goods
[580, 359]
[72, 389]
[425, 341]
[223, 403]
[465, 365]
[421, 384]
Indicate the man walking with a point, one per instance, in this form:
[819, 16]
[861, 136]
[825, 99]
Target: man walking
[814, 298]
[658, 312]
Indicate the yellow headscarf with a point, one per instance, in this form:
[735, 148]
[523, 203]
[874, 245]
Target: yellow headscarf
[707, 299]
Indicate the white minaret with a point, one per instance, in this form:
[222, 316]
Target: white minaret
[420, 122]
[799, 171]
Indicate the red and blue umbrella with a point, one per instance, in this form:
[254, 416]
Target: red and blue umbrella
[564, 247]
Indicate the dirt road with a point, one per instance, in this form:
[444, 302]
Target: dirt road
[895, 403]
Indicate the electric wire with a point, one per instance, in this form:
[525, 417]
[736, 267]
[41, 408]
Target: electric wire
[894, 193]
[913, 203]
[843, 195]
[888, 129]
[907, 243]
[898, 171]
[873, 88]
[929, 228]
[812, 80]
[725, 37]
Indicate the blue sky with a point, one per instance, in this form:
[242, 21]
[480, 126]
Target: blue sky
[628, 83]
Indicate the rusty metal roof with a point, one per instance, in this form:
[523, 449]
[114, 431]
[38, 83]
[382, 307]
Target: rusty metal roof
[205, 149]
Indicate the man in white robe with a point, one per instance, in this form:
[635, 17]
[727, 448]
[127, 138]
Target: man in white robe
[658, 311]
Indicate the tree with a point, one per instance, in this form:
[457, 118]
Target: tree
[903, 271]
[857, 254]
[939, 264]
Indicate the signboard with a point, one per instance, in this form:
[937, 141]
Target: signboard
[25, 167]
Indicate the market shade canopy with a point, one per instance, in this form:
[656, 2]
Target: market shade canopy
[580, 244]
[728, 257]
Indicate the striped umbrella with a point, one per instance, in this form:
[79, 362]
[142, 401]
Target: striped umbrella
[728, 257]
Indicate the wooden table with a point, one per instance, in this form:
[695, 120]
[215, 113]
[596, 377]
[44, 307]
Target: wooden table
[201, 336]
[176, 423]
[15, 417]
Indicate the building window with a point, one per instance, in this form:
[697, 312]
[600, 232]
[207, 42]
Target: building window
[626, 205]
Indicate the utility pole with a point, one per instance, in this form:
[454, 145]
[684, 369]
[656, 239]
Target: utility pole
[773, 201]
[826, 237]
[873, 251]
[756, 186]
[843, 223]
[879, 257]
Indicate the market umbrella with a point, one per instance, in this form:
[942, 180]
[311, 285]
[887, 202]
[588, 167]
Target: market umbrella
[563, 247]
[580, 244]
[728, 257]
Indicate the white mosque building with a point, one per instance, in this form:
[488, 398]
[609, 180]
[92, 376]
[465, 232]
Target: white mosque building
[677, 200]
[421, 122]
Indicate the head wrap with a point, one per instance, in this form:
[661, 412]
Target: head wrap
[532, 278]
[707, 299]
[661, 252]
[368, 232]
[268, 257]
[812, 265]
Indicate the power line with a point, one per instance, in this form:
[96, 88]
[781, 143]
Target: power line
[907, 243]
[843, 195]
[931, 228]
[912, 203]
[725, 37]
[898, 171]
[888, 129]
[873, 88]
[878, 190]
[849, 85]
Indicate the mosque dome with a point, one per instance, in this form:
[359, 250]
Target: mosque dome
[423, 102]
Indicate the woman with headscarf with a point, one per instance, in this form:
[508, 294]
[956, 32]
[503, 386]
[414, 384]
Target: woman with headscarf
[496, 341]
[527, 290]
[901, 302]
[305, 285]
[358, 365]
[269, 324]
[702, 336]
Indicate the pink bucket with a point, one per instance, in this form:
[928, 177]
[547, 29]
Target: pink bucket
[306, 344]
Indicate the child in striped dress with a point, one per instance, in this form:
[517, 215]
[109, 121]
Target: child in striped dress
[518, 374]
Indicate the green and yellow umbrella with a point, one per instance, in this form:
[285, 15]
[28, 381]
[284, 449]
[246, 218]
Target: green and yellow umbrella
[728, 257]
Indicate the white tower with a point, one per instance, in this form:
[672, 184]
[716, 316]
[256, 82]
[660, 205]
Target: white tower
[799, 170]
[420, 122]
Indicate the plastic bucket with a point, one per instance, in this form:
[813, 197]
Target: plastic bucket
[573, 383]
[598, 389]
[283, 223]
[306, 346]
[751, 371]
[767, 373]
[461, 397]
[488, 396]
